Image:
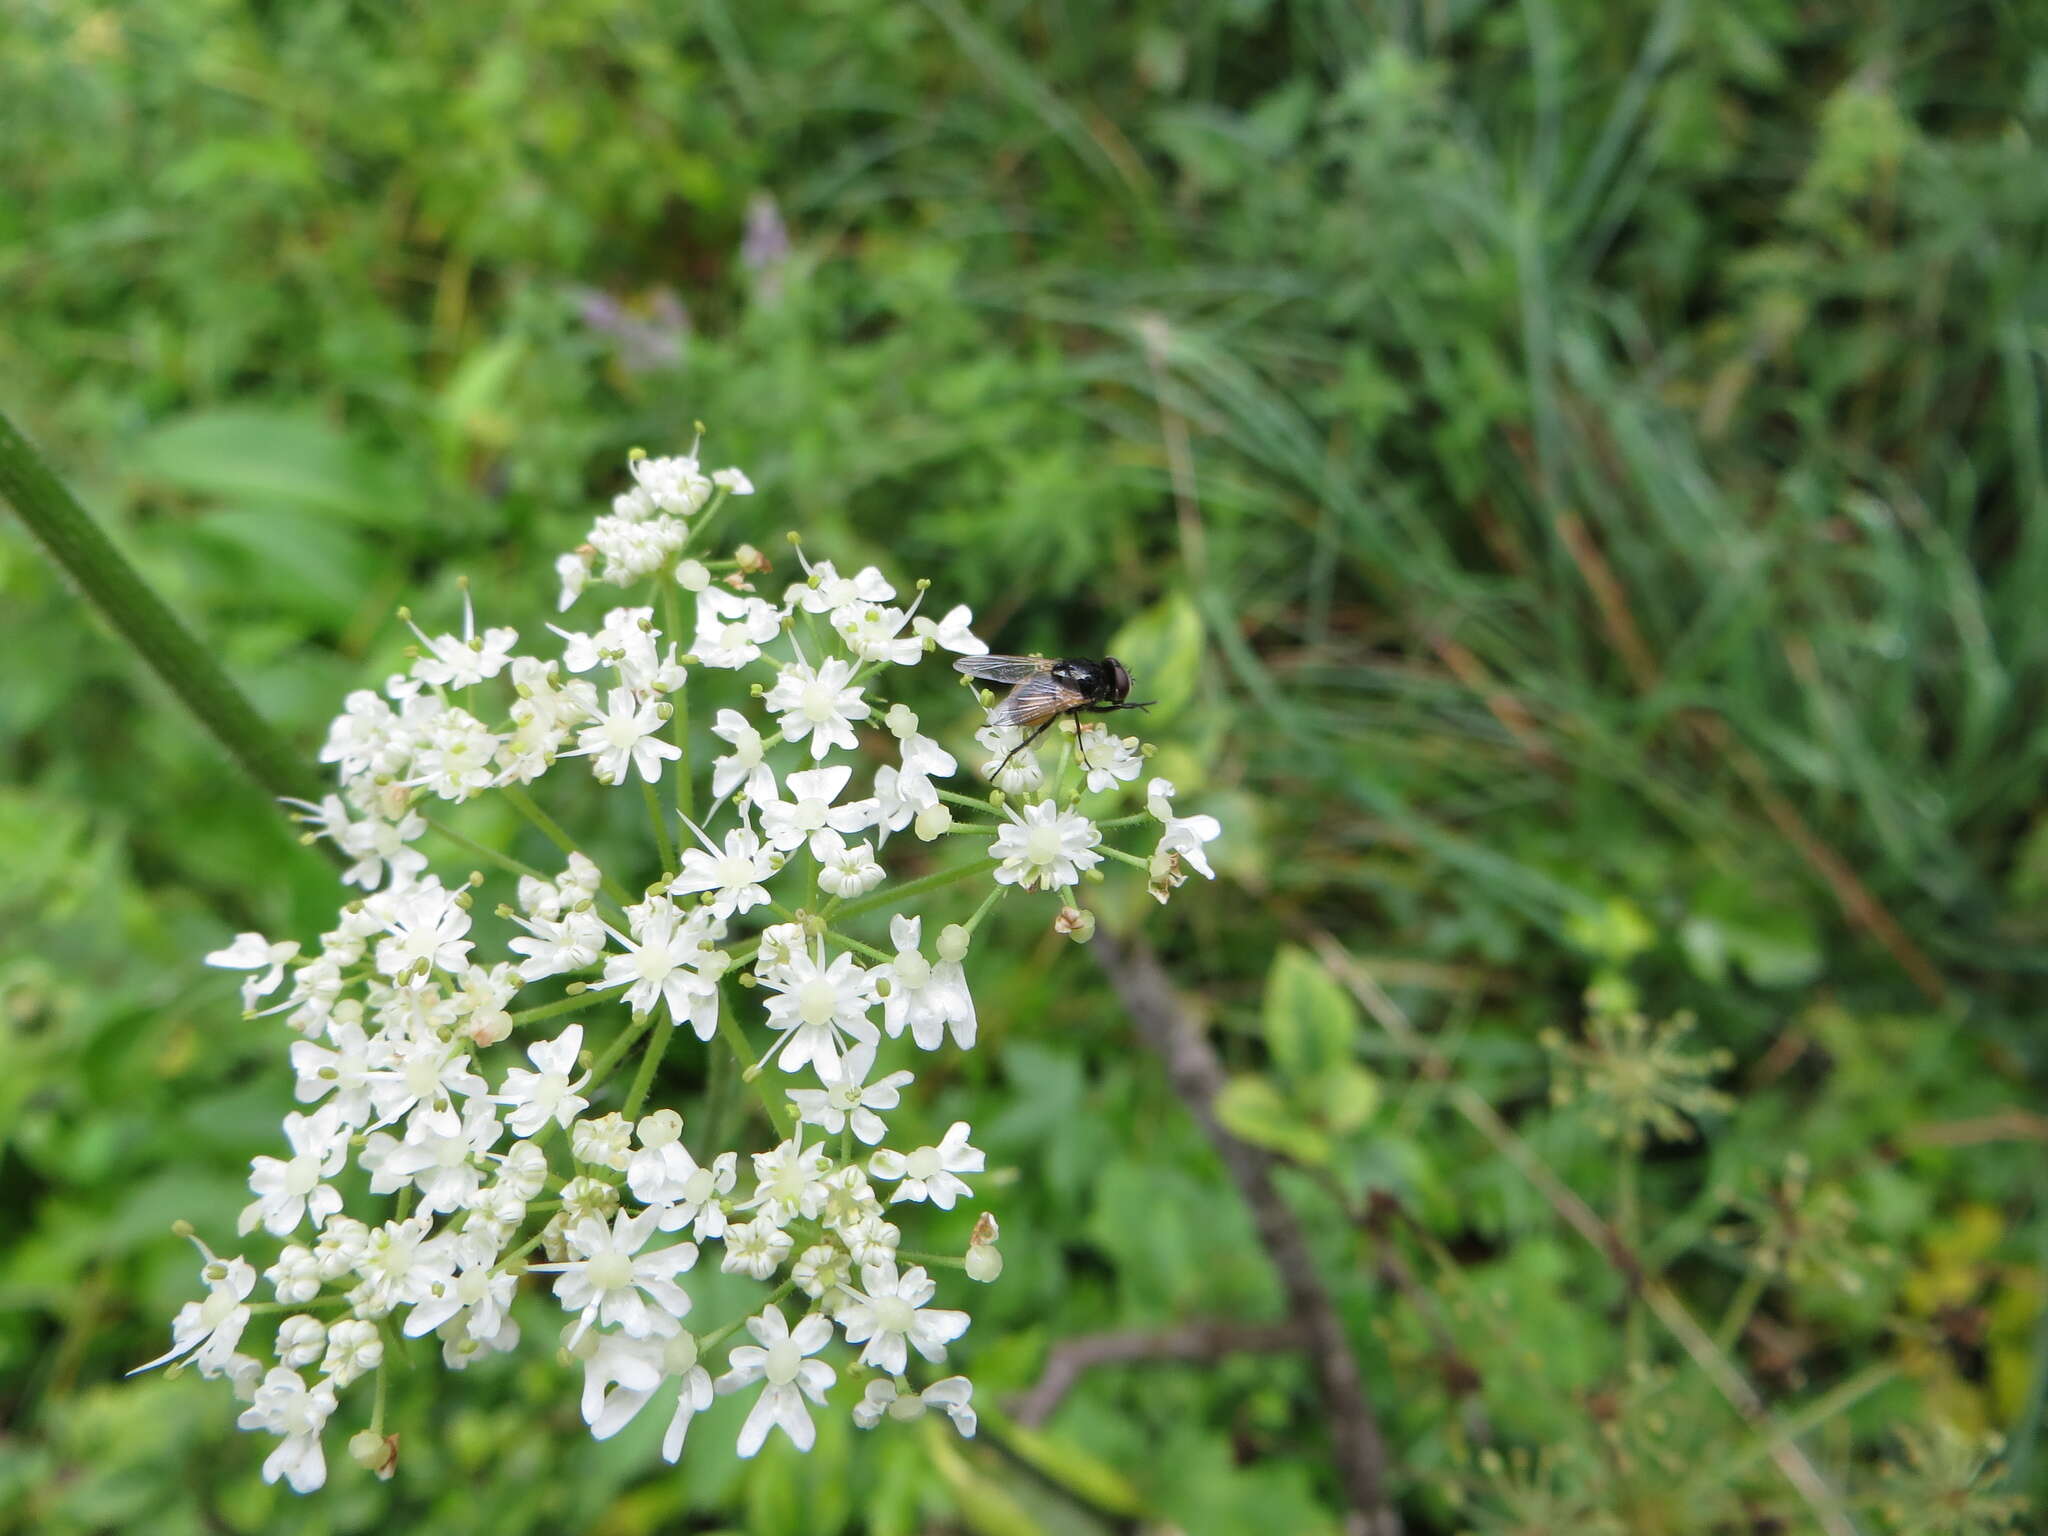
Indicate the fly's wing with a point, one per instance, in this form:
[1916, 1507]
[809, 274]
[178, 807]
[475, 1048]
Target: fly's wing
[1004, 669]
[1035, 701]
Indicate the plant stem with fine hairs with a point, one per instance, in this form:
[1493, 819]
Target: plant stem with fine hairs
[139, 616]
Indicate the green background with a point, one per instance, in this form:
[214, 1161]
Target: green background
[1610, 553]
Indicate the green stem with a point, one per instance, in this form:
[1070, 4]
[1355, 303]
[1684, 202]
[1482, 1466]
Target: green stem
[503, 861]
[649, 1061]
[664, 845]
[602, 1067]
[1628, 1223]
[987, 905]
[1128, 858]
[1740, 1308]
[151, 630]
[968, 800]
[548, 828]
[855, 944]
[891, 895]
[729, 1031]
[717, 1335]
[679, 721]
[557, 1009]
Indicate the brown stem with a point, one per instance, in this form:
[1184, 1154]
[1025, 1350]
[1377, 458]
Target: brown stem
[1200, 1340]
[1196, 1076]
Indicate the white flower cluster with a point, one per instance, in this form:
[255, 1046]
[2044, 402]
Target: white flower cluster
[483, 1144]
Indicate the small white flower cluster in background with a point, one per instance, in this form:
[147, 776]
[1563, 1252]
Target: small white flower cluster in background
[466, 1131]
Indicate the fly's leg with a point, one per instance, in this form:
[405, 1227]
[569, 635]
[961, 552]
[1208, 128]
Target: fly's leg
[1055, 720]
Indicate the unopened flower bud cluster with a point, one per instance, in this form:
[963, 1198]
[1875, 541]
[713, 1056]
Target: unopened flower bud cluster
[466, 1146]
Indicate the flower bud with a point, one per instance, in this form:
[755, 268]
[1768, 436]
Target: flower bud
[751, 560]
[1075, 924]
[953, 940]
[374, 1452]
[691, 576]
[984, 1262]
[933, 821]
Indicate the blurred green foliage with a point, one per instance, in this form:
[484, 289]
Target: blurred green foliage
[1606, 562]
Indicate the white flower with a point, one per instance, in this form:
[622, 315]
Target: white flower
[398, 1264]
[670, 959]
[571, 943]
[728, 773]
[890, 1315]
[1111, 759]
[848, 1098]
[931, 1173]
[819, 1272]
[639, 1367]
[924, 997]
[374, 842]
[735, 873]
[301, 1340]
[870, 1238]
[286, 1190]
[673, 484]
[755, 1248]
[295, 1277]
[612, 1282]
[547, 1093]
[809, 811]
[875, 633]
[477, 1293]
[662, 1174]
[1045, 847]
[825, 589]
[789, 1182]
[463, 662]
[209, 1330]
[736, 482]
[441, 1156]
[456, 755]
[410, 1073]
[815, 1004]
[845, 871]
[253, 952]
[1010, 769]
[286, 1406]
[820, 704]
[777, 1358]
[343, 1071]
[625, 738]
[353, 1350]
[732, 629]
[574, 571]
[424, 927]
[1180, 840]
[952, 632]
[953, 1397]
[603, 1143]
[360, 738]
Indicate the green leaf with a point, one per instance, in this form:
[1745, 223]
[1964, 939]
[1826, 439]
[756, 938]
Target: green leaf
[1310, 1021]
[1615, 931]
[1059, 1460]
[257, 457]
[1162, 649]
[1254, 1110]
[1773, 943]
[1349, 1096]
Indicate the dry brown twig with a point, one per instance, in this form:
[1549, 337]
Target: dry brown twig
[1196, 1077]
[1195, 1341]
